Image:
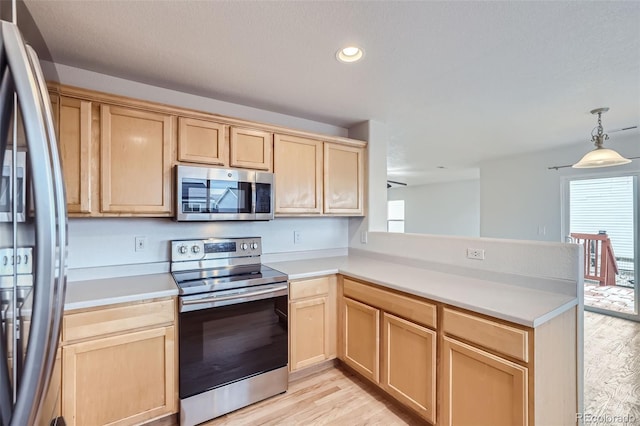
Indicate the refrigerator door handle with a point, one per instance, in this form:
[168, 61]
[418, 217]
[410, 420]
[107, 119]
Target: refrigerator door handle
[36, 372]
[60, 199]
[6, 111]
[6, 108]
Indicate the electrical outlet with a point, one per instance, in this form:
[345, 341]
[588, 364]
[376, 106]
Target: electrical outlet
[473, 253]
[297, 237]
[363, 237]
[141, 243]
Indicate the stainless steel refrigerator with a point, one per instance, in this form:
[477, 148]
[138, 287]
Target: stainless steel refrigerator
[33, 236]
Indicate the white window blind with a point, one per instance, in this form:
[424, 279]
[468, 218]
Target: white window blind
[395, 216]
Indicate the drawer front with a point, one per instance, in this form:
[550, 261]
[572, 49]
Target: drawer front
[500, 337]
[308, 288]
[103, 321]
[404, 306]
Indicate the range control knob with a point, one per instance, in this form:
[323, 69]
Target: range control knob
[182, 249]
[254, 245]
[195, 249]
[243, 246]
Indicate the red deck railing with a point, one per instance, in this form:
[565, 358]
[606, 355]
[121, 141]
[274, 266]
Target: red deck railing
[599, 262]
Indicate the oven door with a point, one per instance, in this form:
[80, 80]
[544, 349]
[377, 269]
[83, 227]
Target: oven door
[229, 336]
[214, 194]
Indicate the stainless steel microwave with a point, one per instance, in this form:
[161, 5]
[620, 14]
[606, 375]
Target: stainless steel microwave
[207, 194]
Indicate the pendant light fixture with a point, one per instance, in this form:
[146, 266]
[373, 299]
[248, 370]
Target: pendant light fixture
[600, 156]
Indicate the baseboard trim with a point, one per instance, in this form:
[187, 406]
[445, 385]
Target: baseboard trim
[312, 369]
[170, 420]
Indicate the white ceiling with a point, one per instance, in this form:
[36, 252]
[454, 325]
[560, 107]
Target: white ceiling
[456, 82]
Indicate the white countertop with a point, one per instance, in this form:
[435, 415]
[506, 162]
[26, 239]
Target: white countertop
[515, 303]
[108, 291]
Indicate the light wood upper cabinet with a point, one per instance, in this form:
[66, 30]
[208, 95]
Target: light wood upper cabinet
[409, 364]
[74, 139]
[361, 338]
[202, 141]
[297, 164]
[481, 388]
[135, 161]
[117, 155]
[250, 149]
[343, 179]
[312, 321]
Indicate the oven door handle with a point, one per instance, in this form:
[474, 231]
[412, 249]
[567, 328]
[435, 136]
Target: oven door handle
[190, 305]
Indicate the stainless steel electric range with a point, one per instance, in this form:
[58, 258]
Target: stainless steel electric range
[233, 335]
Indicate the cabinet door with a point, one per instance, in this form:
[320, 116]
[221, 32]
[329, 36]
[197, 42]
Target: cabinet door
[361, 336]
[297, 164]
[201, 141]
[409, 364]
[250, 149]
[51, 406]
[135, 161]
[480, 388]
[343, 179]
[74, 140]
[308, 332]
[120, 380]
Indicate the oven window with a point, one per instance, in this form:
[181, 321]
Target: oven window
[226, 344]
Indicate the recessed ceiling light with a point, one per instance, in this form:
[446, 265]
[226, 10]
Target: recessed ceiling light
[441, 167]
[350, 54]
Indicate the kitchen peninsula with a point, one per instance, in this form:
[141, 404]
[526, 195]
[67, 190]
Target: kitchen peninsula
[430, 335]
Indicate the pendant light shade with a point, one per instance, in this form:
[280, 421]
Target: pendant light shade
[600, 156]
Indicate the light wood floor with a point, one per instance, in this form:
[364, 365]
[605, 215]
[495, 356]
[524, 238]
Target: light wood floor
[331, 397]
[612, 366]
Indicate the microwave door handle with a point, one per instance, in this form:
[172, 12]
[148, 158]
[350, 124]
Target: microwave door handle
[60, 199]
[35, 374]
[254, 198]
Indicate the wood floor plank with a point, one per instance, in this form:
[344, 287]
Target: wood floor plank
[331, 397]
[612, 366]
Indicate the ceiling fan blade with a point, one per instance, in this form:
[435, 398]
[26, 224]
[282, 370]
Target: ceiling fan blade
[622, 129]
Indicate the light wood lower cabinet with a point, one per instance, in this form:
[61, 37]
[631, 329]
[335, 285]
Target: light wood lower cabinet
[490, 371]
[409, 364]
[312, 322]
[480, 388]
[125, 372]
[362, 338]
[51, 406]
